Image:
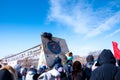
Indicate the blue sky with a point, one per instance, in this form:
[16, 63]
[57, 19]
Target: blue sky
[86, 25]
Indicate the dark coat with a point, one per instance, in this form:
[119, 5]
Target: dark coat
[88, 70]
[107, 68]
[77, 76]
[5, 75]
[117, 75]
[68, 68]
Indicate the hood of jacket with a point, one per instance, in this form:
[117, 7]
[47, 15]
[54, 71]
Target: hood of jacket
[106, 57]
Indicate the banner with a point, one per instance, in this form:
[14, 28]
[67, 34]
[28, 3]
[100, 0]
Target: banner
[116, 50]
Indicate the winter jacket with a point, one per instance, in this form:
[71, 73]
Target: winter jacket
[17, 68]
[107, 68]
[117, 75]
[5, 75]
[50, 75]
[68, 68]
[88, 70]
[77, 76]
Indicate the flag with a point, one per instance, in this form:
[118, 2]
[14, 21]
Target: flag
[116, 50]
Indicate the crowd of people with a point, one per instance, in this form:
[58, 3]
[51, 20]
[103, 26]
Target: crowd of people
[106, 67]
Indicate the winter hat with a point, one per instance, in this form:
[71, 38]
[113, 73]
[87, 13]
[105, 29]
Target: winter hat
[69, 55]
[106, 56]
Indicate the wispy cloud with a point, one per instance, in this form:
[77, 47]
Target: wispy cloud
[112, 34]
[107, 25]
[82, 17]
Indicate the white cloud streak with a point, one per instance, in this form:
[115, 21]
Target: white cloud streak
[112, 34]
[107, 25]
[82, 17]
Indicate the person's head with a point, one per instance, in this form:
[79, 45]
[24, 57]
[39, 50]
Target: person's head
[90, 58]
[69, 55]
[58, 59]
[47, 35]
[11, 70]
[77, 66]
[58, 66]
[17, 67]
[106, 56]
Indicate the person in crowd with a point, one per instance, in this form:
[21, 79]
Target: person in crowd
[41, 70]
[31, 72]
[57, 73]
[56, 61]
[107, 69]
[11, 70]
[18, 68]
[77, 73]
[53, 74]
[23, 71]
[88, 68]
[61, 70]
[5, 75]
[68, 65]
